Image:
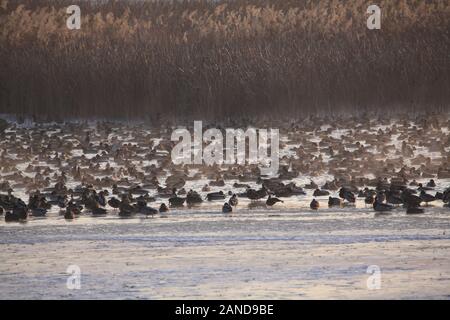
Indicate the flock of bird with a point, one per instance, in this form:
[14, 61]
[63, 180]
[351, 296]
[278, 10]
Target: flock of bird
[82, 168]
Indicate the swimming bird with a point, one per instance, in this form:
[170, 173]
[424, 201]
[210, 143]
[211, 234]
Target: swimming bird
[314, 205]
[193, 197]
[38, 212]
[318, 193]
[369, 199]
[98, 211]
[114, 203]
[253, 194]
[334, 202]
[426, 197]
[233, 200]
[176, 201]
[70, 213]
[215, 196]
[148, 211]
[163, 208]
[227, 208]
[431, 184]
[272, 200]
[347, 195]
[414, 210]
[382, 207]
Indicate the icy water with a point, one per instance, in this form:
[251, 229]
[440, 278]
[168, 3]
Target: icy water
[251, 254]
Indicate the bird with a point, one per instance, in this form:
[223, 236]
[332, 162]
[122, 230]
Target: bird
[227, 208]
[253, 194]
[334, 202]
[381, 207]
[148, 211]
[215, 196]
[193, 197]
[414, 210]
[393, 198]
[369, 199]
[38, 212]
[233, 200]
[314, 205]
[114, 203]
[347, 195]
[431, 184]
[426, 197]
[70, 213]
[163, 208]
[318, 193]
[272, 200]
[176, 201]
[99, 211]
[11, 217]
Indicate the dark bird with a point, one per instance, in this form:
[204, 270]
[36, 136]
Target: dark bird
[431, 184]
[426, 197]
[227, 208]
[393, 198]
[382, 207]
[369, 199]
[114, 203]
[215, 196]
[193, 197]
[70, 213]
[314, 205]
[163, 208]
[233, 200]
[253, 194]
[319, 193]
[334, 202]
[176, 201]
[99, 211]
[272, 200]
[414, 210]
[148, 211]
[38, 212]
[347, 195]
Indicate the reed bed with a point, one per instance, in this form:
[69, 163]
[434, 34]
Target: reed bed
[222, 59]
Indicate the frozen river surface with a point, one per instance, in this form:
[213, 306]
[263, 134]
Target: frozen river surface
[253, 254]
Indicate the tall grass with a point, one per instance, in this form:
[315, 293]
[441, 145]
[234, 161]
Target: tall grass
[216, 59]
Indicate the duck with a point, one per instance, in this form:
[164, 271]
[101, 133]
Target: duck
[215, 196]
[319, 193]
[163, 208]
[125, 208]
[381, 207]
[334, 202]
[227, 208]
[99, 211]
[11, 217]
[272, 200]
[314, 205]
[69, 213]
[233, 200]
[148, 211]
[426, 197]
[114, 203]
[347, 195]
[393, 198]
[431, 184]
[193, 197]
[176, 201]
[253, 194]
[414, 210]
[38, 212]
[369, 199]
